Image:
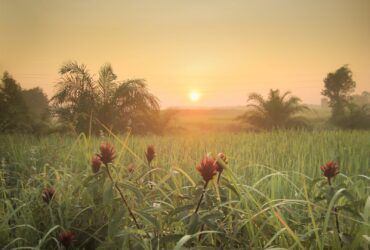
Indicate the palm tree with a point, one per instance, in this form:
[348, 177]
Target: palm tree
[277, 111]
[80, 100]
[136, 106]
[75, 98]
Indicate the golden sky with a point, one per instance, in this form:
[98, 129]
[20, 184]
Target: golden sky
[222, 49]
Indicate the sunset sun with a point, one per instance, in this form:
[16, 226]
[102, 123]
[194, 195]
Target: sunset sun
[194, 96]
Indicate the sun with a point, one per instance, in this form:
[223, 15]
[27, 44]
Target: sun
[194, 96]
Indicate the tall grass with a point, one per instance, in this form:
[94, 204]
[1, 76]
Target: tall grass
[269, 195]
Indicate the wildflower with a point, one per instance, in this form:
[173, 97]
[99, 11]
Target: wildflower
[48, 194]
[150, 153]
[207, 168]
[106, 153]
[66, 237]
[330, 170]
[95, 163]
[131, 168]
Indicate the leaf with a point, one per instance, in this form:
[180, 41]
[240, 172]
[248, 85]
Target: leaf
[232, 188]
[187, 237]
[135, 190]
[107, 192]
[147, 217]
[194, 223]
[115, 222]
[185, 208]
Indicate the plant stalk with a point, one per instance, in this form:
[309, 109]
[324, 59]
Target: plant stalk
[201, 197]
[123, 198]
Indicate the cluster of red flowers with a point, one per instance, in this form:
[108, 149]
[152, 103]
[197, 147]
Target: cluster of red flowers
[105, 157]
[330, 170]
[48, 194]
[66, 238]
[150, 153]
[209, 166]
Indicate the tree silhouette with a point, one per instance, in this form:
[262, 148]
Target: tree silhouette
[338, 87]
[118, 105]
[277, 111]
[14, 115]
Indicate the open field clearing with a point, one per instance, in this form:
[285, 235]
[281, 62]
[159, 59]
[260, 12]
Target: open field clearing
[272, 192]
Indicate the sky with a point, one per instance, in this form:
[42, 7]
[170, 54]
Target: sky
[217, 50]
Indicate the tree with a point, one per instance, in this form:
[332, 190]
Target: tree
[338, 87]
[14, 115]
[37, 103]
[83, 102]
[75, 99]
[277, 111]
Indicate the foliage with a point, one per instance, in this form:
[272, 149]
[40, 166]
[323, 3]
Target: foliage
[338, 87]
[355, 117]
[271, 194]
[14, 114]
[86, 103]
[277, 111]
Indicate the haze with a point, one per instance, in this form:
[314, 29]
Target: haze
[222, 49]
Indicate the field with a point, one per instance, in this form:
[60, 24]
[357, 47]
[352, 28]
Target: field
[223, 119]
[272, 193]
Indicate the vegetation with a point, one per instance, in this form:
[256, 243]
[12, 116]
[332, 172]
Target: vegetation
[84, 103]
[272, 192]
[13, 111]
[276, 112]
[345, 112]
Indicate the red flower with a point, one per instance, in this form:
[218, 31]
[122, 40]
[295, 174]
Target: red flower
[150, 153]
[106, 153]
[207, 168]
[66, 237]
[95, 163]
[131, 168]
[48, 194]
[330, 170]
[222, 156]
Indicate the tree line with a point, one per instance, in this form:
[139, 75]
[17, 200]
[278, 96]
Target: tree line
[286, 111]
[85, 104]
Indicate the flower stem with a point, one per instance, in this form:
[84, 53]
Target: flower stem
[201, 197]
[336, 216]
[123, 198]
[218, 178]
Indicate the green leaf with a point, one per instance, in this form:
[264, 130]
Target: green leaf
[187, 237]
[194, 224]
[147, 217]
[134, 189]
[107, 192]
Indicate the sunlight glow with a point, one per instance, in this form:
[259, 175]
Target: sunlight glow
[194, 96]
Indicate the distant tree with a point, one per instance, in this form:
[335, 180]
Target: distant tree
[37, 103]
[277, 111]
[355, 117]
[14, 115]
[82, 102]
[75, 99]
[338, 87]
[136, 107]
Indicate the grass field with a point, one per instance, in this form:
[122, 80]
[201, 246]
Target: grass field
[272, 193]
[220, 119]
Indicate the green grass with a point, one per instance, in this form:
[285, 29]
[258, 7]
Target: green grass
[270, 195]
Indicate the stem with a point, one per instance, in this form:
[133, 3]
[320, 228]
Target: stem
[201, 197]
[336, 216]
[337, 223]
[218, 178]
[123, 198]
[150, 176]
[200, 235]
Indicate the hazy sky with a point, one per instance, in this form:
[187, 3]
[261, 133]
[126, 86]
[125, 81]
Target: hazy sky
[223, 49]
